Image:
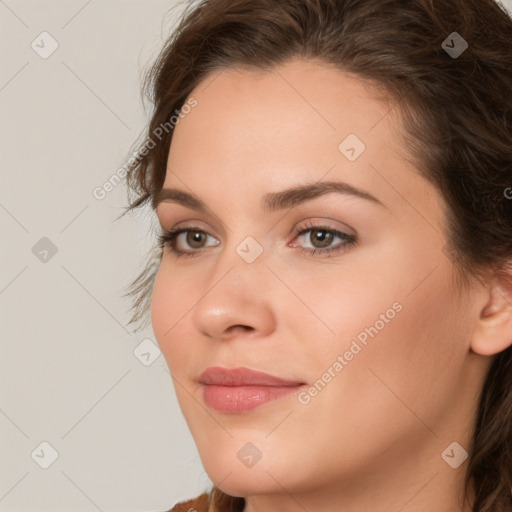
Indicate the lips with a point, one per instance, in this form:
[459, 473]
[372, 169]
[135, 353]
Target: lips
[239, 390]
[216, 375]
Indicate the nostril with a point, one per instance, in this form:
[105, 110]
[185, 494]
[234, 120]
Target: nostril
[240, 327]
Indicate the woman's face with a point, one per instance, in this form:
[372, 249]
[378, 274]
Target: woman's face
[360, 311]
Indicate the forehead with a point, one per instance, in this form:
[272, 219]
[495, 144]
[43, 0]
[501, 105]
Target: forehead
[315, 98]
[291, 111]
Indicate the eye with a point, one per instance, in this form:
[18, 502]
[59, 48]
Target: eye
[321, 238]
[193, 239]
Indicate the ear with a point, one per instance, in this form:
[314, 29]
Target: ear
[493, 331]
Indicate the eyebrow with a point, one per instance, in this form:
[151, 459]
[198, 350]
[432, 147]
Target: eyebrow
[272, 201]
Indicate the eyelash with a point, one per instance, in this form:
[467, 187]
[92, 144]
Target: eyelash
[169, 238]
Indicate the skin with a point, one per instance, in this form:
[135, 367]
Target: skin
[372, 438]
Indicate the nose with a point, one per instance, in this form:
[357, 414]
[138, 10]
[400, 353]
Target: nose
[237, 303]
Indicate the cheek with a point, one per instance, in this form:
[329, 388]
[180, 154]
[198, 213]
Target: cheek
[394, 388]
[169, 308]
[160, 311]
[410, 362]
[396, 331]
[334, 307]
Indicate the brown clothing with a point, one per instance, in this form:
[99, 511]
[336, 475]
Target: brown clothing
[199, 504]
[215, 501]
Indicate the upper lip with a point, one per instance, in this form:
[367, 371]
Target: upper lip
[215, 375]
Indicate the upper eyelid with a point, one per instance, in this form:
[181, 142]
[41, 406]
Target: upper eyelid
[321, 221]
[297, 230]
[161, 218]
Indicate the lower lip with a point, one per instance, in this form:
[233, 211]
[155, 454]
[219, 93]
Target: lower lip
[238, 399]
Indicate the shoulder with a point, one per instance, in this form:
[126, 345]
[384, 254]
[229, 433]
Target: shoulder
[199, 504]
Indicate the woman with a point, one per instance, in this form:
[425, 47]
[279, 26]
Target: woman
[333, 287]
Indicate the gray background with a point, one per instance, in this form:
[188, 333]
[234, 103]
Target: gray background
[69, 375]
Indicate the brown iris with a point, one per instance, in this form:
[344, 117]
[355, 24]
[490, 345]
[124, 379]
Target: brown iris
[195, 237]
[322, 236]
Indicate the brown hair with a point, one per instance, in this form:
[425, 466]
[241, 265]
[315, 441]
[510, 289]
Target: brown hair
[457, 111]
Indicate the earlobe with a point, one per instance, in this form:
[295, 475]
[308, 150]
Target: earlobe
[493, 332]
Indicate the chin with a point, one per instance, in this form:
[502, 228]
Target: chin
[243, 484]
[232, 477]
